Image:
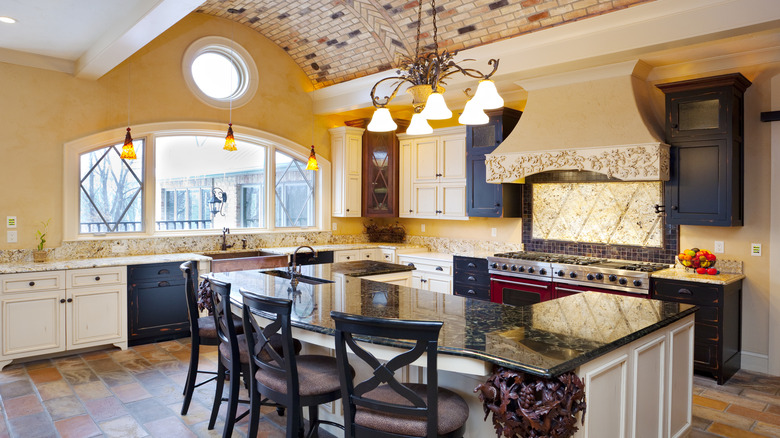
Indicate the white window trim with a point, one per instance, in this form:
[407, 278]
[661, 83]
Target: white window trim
[240, 56]
[149, 132]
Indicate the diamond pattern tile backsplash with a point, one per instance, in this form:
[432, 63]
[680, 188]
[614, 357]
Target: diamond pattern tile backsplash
[612, 213]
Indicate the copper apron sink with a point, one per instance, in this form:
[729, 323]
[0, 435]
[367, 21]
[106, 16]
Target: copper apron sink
[226, 261]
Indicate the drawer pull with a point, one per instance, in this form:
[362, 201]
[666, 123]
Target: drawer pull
[685, 291]
[387, 256]
[347, 257]
[70, 300]
[423, 280]
[410, 264]
[32, 283]
[97, 278]
[163, 272]
[62, 300]
[471, 278]
[471, 292]
[439, 268]
[368, 256]
[163, 284]
[471, 265]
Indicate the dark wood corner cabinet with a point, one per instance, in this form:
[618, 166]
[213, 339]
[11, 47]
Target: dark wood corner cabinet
[471, 278]
[156, 303]
[704, 126]
[485, 199]
[717, 345]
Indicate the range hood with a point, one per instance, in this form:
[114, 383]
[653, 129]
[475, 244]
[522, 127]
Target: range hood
[598, 120]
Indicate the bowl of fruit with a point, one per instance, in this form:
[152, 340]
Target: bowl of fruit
[700, 260]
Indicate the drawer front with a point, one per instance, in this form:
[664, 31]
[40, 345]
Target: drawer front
[431, 266]
[154, 271]
[705, 356]
[32, 282]
[686, 292]
[472, 279]
[470, 291]
[346, 256]
[471, 264]
[706, 333]
[96, 276]
[707, 314]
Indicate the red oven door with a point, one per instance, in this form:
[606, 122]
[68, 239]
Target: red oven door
[564, 290]
[518, 291]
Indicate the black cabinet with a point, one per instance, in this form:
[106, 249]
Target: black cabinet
[157, 305]
[704, 126]
[471, 278]
[484, 199]
[717, 345]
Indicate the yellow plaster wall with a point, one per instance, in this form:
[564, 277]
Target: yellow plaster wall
[40, 110]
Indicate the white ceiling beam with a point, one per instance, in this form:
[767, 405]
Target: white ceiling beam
[126, 38]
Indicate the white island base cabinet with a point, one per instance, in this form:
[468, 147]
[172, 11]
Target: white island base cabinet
[43, 313]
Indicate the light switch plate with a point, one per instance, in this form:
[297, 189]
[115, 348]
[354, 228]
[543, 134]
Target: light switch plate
[335, 226]
[755, 249]
[422, 228]
[493, 232]
[12, 236]
[10, 221]
[719, 247]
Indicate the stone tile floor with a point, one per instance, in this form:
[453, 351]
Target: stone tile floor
[138, 392]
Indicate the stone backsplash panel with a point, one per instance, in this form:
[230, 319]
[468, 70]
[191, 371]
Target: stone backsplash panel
[611, 213]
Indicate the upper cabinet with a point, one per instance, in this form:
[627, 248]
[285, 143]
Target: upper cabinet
[433, 174]
[704, 125]
[484, 199]
[346, 152]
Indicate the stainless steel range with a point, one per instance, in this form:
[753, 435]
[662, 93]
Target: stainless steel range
[561, 275]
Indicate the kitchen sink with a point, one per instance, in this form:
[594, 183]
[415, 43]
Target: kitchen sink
[301, 278]
[225, 261]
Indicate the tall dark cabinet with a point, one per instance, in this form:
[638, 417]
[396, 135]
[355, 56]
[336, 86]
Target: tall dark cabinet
[484, 199]
[704, 126]
[156, 303]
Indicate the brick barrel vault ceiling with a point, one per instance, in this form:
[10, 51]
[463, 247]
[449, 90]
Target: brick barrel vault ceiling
[338, 40]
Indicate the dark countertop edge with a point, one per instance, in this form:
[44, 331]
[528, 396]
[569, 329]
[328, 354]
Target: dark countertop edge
[390, 268]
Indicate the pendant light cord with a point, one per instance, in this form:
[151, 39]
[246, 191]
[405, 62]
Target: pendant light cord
[419, 21]
[129, 65]
[435, 29]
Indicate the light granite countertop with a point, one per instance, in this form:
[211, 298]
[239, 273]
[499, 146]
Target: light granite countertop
[683, 275]
[56, 265]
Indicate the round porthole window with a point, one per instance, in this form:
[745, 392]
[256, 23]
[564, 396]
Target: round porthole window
[220, 72]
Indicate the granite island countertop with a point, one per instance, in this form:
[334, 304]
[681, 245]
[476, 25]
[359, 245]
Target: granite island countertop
[545, 339]
[363, 268]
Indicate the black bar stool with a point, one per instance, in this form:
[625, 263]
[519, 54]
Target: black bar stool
[381, 406]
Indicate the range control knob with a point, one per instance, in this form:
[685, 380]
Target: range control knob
[590, 276]
[514, 268]
[531, 270]
[560, 273]
[521, 269]
[612, 277]
[504, 267]
[543, 271]
[599, 276]
[622, 281]
[573, 275]
[637, 283]
[494, 265]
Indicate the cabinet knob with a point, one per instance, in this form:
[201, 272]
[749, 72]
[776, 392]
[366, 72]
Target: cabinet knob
[675, 126]
[471, 278]
[674, 207]
[62, 300]
[438, 211]
[32, 283]
[410, 264]
[368, 256]
[347, 257]
[163, 272]
[163, 284]
[498, 205]
[471, 265]
[423, 280]
[347, 209]
[97, 278]
[70, 300]
[411, 211]
[387, 256]
[438, 174]
[685, 291]
[471, 292]
[439, 268]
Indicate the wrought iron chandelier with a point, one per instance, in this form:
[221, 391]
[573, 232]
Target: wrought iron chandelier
[426, 73]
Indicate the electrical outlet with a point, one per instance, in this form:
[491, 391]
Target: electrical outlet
[719, 247]
[10, 221]
[335, 226]
[755, 249]
[12, 236]
[493, 232]
[422, 228]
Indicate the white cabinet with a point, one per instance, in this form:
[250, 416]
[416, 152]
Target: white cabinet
[351, 255]
[346, 153]
[388, 255]
[433, 175]
[54, 311]
[397, 278]
[433, 271]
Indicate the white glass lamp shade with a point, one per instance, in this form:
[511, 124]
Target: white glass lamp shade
[381, 121]
[487, 96]
[419, 126]
[436, 108]
[473, 114]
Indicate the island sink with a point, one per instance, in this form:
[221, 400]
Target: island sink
[244, 260]
[301, 278]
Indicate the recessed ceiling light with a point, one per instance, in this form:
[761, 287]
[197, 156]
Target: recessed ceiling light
[8, 20]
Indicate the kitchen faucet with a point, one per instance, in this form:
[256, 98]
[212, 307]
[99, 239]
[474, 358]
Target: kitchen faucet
[295, 254]
[225, 232]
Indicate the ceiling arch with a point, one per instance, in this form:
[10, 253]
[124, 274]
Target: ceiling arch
[339, 40]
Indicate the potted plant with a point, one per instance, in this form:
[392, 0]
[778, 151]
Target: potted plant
[40, 254]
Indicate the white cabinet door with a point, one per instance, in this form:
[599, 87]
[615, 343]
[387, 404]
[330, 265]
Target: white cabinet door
[425, 160]
[388, 255]
[371, 254]
[33, 324]
[442, 284]
[349, 255]
[352, 207]
[346, 185]
[98, 315]
[424, 197]
[452, 201]
[452, 157]
[405, 207]
[417, 281]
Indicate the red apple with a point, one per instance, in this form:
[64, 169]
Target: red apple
[711, 257]
[701, 270]
[712, 271]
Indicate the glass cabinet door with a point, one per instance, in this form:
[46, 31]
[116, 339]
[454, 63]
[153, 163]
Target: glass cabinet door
[380, 174]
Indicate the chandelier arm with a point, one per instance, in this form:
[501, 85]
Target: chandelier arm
[494, 63]
[470, 72]
[377, 102]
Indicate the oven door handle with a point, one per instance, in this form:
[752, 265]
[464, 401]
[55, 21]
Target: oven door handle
[519, 283]
[566, 289]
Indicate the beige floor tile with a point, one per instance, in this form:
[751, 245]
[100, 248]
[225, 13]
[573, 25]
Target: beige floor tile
[56, 389]
[169, 427]
[64, 407]
[77, 427]
[732, 432]
[22, 406]
[130, 392]
[712, 403]
[92, 390]
[722, 417]
[734, 399]
[764, 417]
[123, 427]
[767, 429]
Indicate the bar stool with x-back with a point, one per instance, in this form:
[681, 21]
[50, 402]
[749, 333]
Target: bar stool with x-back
[381, 406]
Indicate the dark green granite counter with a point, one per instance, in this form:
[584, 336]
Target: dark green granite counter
[545, 339]
[364, 268]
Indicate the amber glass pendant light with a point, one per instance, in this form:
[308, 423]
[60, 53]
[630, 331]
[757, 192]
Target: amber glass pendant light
[128, 151]
[312, 164]
[230, 142]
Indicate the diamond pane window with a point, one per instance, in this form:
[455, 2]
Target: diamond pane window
[189, 169]
[294, 193]
[111, 190]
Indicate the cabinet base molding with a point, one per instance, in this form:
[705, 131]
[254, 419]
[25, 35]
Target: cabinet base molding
[5, 363]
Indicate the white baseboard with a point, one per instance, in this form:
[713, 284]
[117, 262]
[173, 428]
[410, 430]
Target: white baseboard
[755, 362]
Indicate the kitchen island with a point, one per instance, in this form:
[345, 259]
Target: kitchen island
[634, 355]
